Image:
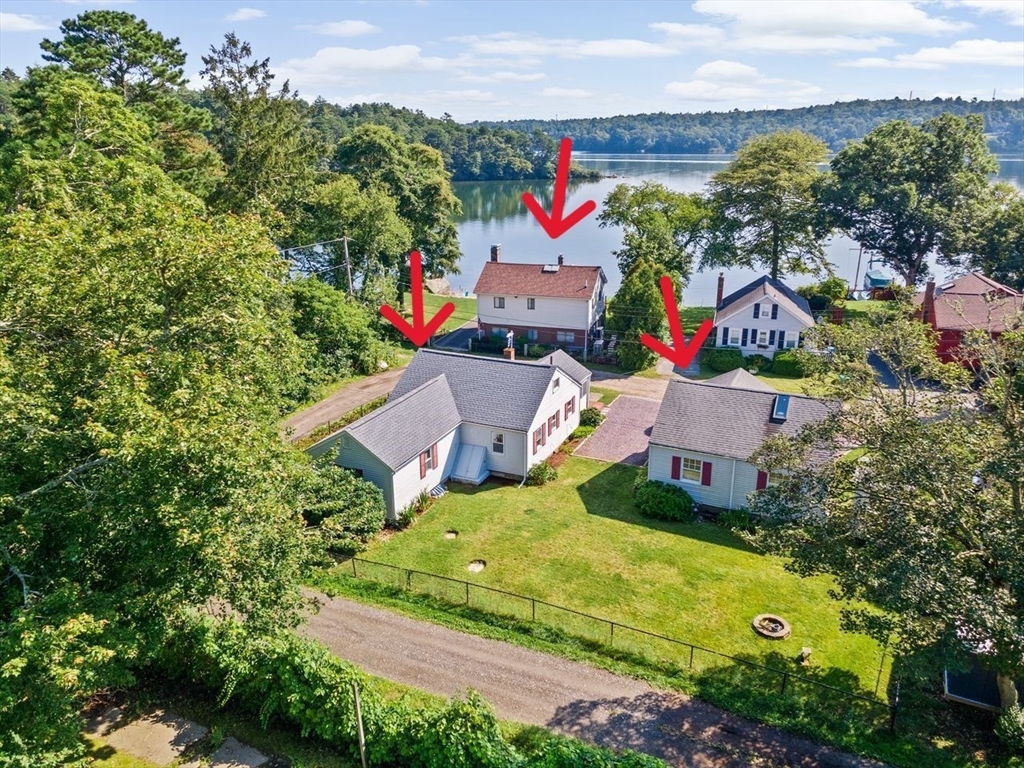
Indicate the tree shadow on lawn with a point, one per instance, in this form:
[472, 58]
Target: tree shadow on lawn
[610, 494]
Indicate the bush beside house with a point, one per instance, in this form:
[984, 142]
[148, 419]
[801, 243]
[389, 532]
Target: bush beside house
[789, 362]
[724, 359]
[661, 500]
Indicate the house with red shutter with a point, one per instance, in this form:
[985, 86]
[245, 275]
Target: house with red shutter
[706, 432]
[971, 302]
[462, 417]
[760, 318]
[557, 304]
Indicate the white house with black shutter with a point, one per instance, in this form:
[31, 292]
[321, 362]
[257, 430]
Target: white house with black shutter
[761, 318]
[462, 417]
[706, 432]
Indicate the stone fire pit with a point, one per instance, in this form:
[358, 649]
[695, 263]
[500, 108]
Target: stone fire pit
[771, 626]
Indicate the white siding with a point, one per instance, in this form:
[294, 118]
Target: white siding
[718, 493]
[512, 461]
[352, 455]
[407, 483]
[744, 318]
[554, 400]
[549, 313]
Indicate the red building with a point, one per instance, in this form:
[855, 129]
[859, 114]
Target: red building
[971, 302]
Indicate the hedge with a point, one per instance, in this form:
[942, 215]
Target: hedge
[788, 362]
[725, 359]
[299, 682]
[663, 501]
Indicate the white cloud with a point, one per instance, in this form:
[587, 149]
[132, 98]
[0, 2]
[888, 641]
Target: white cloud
[16, 22]
[505, 77]
[799, 18]
[337, 65]
[1011, 10]
[691, 34]
[245, 14]
[515, 44]
[991, 53]
[566, 93]
[733, 81]
[348, 28]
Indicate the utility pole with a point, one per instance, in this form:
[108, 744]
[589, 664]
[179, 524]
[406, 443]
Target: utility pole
[359, 723]
[348, 263]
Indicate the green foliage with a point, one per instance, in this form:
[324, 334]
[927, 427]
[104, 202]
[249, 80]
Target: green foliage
[659, 225]
[908, 191]
[997, 249]
[347, 510]
[739, 520]
[789, 362]
[766, 213]
[562, 753]
[638, 308]
[724, 359]
[582, 431]
[663, 501]
[830, 291]
[1010, 729]
[591, 417]
[541, 473]
[760, 362]
[341, 332]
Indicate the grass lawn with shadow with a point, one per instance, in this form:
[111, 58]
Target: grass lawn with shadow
[579, 542]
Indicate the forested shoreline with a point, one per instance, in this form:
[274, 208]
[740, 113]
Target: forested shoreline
[725, 132]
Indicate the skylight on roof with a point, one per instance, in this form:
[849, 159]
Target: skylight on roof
[781, 410]
[550, 268]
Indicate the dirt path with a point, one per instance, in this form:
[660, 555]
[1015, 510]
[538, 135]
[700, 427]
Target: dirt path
[653, 389]
[565, 696]
[346, 399]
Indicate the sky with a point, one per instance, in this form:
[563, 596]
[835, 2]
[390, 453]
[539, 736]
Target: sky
[506, 60]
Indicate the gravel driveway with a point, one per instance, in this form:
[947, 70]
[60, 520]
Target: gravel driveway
[622, 437]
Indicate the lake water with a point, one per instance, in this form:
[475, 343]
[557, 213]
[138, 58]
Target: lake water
[494, 213]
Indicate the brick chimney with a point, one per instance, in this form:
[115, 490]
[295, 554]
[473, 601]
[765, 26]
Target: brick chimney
[928, 306]
[721, 288]
[561, 260]
[496, 252]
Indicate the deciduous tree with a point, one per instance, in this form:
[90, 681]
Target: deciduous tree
[765, 212]
[635, 309]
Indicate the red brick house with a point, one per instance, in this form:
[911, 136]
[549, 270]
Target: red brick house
[557, 304]
[971, 302]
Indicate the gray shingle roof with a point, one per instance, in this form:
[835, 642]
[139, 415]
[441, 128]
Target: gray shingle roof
[724, 421]
[486, 390]
[406, 425]
[740, 378]
[578, 372]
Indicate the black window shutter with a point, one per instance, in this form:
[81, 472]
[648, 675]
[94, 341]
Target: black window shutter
[725, 337]
[757, 311]
[782, 339]
[743, 342]
[771, 338]
[775, 311]
[753, 335]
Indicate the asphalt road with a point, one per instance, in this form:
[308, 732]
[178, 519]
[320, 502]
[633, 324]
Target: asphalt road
[567, 697]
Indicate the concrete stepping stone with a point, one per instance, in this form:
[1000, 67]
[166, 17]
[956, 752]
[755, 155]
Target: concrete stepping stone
[232, 754]
[158, 737]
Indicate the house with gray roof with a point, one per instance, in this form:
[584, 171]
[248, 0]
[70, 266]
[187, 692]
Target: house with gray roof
[760, 318]
[462, 417]
[706, 432]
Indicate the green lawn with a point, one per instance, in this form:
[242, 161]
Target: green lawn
[861, 310]
[692, 317]
[579, 542]
[465, 309]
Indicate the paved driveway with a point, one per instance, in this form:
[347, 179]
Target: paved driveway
[622, 437]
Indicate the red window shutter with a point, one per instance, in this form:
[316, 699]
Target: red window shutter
[762, 480]
[433, 455]
[677, 467]
[423, 465]
[568, 410]
[705, 473]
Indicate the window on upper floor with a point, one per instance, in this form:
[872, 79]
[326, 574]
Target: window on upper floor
[531, 303]
[499, 302]
[557, 383]
[553, 422]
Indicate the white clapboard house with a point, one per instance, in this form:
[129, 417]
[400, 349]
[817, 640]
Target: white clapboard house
[761, 318]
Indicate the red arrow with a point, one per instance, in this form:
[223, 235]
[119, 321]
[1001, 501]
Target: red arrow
[555, 225]
[683, 353]
[419, 332]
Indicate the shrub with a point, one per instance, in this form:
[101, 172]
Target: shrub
[537, 350]
[591, 417]
[737, 520]
[664, 502]
[562, 753]
[830, 290]
[541, 474]
[789, 362]
[581, 431]
[760, 362]
[1010, 729]
[725, 359]
[819, 302]
[348, 510]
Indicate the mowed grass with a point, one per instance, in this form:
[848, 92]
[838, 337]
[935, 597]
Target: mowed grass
[579, 543]
[465, 309]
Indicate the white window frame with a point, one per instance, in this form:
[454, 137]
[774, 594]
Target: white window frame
[428, 460]
[683, 470]
[734, 337]
[499, 302]
[497, 442]
[531, 303]
[762, 337]
[557, 383]
[791, 343]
